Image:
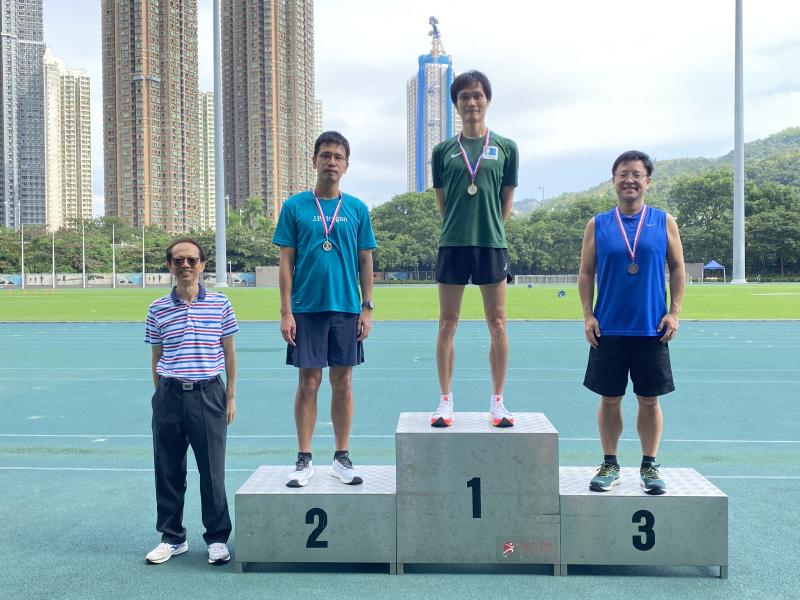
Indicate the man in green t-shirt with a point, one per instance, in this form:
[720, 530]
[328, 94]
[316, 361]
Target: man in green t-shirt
[474, 177]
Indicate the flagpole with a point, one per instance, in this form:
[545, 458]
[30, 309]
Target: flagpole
[83, 252]
[113, 258]
[143, 265]
[22, 252]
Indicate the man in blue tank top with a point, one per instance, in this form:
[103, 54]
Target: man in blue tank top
[629, 326]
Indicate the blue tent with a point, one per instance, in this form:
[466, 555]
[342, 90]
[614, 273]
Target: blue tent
[712, 266]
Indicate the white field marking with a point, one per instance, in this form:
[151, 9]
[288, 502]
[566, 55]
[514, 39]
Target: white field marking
[34, 417]
[362, 380]
[395, 368]
[752, 477]
[94, 436]
[102, 439]
[364, 437]
[194, 471]
[777, 294]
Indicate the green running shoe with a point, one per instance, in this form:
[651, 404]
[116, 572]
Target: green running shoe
[607, 477]
[651, 480]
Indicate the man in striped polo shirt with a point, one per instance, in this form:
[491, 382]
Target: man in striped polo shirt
[191, 333]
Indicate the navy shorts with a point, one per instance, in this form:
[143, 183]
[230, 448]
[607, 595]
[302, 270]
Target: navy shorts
[325, 339]
[645, 358]
[457, 265]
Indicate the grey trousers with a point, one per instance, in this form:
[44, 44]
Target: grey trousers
[198, 417]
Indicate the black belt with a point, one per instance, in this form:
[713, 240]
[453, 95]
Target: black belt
[189, 386]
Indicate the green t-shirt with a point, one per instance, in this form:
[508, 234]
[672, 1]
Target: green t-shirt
[474, 220]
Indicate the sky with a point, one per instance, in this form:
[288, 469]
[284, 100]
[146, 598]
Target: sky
[575, 82]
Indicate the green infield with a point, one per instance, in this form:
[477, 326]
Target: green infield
[706, 302]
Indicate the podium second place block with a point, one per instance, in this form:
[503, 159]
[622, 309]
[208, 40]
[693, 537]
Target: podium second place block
[326, 521]
[473, 493]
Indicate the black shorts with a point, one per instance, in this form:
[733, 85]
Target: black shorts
[457, 265]
[325, 339]
[646, 358]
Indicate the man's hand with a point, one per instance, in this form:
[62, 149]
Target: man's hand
[288, 328]
[231, 408]
[364, 324]
[591, 327]
[669, 325]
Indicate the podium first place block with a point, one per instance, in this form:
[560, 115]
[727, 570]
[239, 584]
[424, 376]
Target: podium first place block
[686, 526]
[326, 521]
[473, 493]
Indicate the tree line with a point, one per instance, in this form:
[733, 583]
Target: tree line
[545, 241]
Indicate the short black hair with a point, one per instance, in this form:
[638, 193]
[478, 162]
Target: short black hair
[468, 79]
[185, 241]
[332, 137]
[633, 155]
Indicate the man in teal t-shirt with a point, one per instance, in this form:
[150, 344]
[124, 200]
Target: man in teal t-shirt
[474, 178]
[326, 242]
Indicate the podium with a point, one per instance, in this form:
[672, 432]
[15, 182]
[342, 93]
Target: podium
[326, 521]
[624, 526]
[476, 494]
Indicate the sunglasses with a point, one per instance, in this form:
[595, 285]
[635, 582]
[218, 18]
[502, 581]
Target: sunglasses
[179, 260]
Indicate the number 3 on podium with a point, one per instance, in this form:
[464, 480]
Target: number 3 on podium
[647, 538]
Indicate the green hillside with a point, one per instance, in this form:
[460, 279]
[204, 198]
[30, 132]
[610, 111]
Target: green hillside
[774, 159]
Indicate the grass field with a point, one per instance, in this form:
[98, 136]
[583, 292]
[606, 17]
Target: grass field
[706, 302]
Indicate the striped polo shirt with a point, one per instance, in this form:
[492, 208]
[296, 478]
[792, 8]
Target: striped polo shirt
[191, 334]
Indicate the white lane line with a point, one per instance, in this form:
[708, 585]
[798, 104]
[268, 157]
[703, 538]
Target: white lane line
[135, 470]
[401, 380]
[108, 436]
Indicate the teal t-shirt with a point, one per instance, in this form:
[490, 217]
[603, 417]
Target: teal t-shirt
[325, 281]
[474, 220]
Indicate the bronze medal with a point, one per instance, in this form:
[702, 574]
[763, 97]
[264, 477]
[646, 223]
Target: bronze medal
[633, 268]
[326, 245]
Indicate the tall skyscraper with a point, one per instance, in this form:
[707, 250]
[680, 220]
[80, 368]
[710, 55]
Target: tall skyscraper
[268, 95]
[150, 111]
[22, 174]
[68, 136]
[431, 117]
[206, 180]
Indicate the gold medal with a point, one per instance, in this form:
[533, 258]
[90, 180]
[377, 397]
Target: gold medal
[472, 189]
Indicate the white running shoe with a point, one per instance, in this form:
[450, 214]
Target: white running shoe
[343, 469]
[443, 417]
[302, 472]
[218, 554]
[163, 552]
[501, 417]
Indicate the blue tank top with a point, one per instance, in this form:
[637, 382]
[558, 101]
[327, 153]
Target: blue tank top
[631, 304]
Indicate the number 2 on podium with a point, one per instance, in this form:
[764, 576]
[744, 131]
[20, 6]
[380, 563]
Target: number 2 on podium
[475, 484]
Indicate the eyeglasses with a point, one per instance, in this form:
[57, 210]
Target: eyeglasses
[179, 260]
[636, 176]
[326, 156]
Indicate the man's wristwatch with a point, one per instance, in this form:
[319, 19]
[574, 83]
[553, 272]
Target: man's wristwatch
[367, 305]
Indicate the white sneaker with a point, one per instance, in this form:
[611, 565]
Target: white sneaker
[163, 552]
[500, 416]
[343, 469]
[218, 554]
[443, 417]
[302, 472]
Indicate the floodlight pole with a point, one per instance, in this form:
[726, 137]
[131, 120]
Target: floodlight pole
[219, 172]
[53, 262]
[738, 159]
